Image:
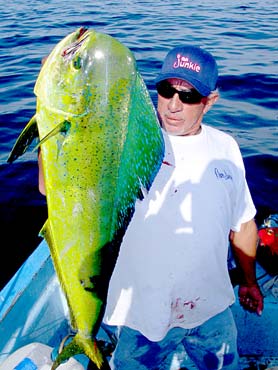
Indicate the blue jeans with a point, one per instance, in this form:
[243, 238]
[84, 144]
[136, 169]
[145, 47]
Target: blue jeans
[210, 346]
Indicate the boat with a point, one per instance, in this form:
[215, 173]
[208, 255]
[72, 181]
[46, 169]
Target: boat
[34, 320]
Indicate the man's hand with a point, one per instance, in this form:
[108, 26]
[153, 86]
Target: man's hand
[251, 298]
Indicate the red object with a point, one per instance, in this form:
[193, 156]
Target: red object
[269, 238]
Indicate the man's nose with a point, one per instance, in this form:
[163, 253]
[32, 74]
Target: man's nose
[175, 104]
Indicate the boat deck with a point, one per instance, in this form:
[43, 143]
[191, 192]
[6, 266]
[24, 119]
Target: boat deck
[33, 309]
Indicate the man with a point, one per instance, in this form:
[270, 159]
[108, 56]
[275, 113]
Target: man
[170, 289]
[171, 286]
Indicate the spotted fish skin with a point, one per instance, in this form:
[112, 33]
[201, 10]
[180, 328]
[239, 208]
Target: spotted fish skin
[101, 145]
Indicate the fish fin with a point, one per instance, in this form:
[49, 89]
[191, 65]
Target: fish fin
[28, 134]
[62, 127]
[44, 230]
[80, 345]
[143, 191]
[46, 233]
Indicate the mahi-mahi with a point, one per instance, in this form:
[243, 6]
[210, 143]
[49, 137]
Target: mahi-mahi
[101, 148]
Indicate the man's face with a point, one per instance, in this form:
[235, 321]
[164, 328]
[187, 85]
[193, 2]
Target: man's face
[176, 117]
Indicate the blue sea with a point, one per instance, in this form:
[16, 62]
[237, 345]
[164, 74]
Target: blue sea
[242, 35]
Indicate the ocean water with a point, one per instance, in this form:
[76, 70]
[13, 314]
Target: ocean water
[242, 35]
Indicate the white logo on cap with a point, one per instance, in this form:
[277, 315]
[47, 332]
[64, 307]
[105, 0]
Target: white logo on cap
[184, 62]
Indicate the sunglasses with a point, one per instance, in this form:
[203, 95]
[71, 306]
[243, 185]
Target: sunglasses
[166, 90]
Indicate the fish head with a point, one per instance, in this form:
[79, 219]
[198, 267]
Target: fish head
[77, 68]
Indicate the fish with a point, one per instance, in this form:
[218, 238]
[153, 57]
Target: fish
[101, 146]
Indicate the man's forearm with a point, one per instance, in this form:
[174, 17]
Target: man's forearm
[244, 245]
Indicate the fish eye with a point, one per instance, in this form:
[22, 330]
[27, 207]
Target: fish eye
[77, 63]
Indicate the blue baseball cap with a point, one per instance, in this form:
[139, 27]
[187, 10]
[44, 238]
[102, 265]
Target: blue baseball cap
[192, 64]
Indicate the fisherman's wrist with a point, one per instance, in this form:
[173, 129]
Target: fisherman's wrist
[249, 284]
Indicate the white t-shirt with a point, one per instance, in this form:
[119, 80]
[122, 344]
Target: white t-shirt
[172, 266]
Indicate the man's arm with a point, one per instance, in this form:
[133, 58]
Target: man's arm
[244, 246]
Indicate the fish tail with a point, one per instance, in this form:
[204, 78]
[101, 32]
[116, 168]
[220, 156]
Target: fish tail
[85, 346]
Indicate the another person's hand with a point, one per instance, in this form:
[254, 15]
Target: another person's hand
[44, 59]
[251, 298]
[41, 176]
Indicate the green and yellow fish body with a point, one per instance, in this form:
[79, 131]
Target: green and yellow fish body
[101, 144]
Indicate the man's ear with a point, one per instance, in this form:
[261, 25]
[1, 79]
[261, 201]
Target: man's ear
[211, 99]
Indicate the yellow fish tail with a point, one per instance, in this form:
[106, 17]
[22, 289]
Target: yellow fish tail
[80, 345]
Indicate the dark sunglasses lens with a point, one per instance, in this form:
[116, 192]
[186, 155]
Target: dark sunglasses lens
[165, 90]
[188, 97]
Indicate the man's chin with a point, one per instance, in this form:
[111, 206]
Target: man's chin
[172, 130]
